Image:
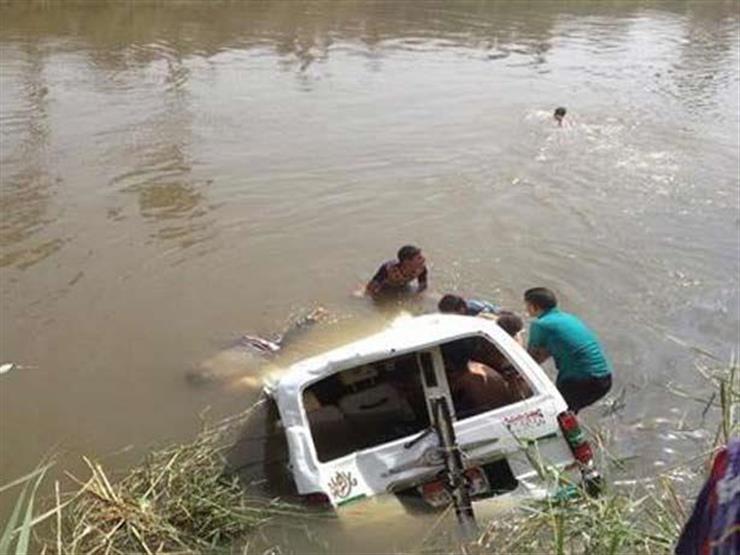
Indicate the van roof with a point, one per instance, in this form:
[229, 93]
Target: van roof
[405, 333]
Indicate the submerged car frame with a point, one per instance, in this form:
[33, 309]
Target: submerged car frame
[357, 419]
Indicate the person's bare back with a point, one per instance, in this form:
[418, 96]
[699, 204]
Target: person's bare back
[481, 388]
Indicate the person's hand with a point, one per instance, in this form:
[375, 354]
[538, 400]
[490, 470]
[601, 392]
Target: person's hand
[519, 338]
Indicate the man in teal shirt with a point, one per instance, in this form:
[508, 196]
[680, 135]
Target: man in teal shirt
[584, 372]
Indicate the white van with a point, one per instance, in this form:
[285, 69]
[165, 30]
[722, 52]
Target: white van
[356, 419]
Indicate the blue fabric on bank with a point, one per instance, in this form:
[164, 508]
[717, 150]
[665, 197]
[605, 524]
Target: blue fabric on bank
[574, 347]
[476, 307]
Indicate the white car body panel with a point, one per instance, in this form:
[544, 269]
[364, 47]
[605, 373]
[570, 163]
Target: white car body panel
[391, 466]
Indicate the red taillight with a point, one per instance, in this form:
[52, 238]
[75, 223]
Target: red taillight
[583, 453]
[575, 437]
[568, 421]
[433, 488]
[317, 499]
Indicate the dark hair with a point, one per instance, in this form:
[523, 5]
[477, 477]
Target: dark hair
[452, 303]
[456, 354]
[407, 252]
[541, 297]
[510, 322]
[560, 111]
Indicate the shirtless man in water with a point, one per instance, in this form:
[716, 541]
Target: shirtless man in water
[476, 387]
[394, 277]
[559, 115]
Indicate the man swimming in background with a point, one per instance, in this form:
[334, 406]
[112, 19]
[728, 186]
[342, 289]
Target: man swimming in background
[455, 304]
[394, 277]
[559, 115]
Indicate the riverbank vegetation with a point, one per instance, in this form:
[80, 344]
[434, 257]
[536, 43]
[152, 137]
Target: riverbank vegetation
[181, 499]
[641, 516]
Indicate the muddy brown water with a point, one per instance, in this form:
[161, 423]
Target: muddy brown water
[174, 173]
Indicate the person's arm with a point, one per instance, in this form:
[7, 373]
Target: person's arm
[539, 354]
[422, 281]
[376, 283]
[536, 345]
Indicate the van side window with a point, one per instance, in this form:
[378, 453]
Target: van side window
[481, 377]
[366, 406]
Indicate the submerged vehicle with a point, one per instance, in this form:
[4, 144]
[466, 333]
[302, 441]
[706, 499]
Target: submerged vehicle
[358, 421]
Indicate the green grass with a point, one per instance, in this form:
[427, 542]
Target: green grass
[16, 533]
[616, 522]
[179, 499]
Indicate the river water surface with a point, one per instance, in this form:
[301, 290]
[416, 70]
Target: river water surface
[174, 173]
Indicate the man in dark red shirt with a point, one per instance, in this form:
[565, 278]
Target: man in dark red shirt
[395, 276]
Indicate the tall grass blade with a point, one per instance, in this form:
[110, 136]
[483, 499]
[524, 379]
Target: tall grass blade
[24, 479]
[9, 530]
[59, 517]
[21, 548]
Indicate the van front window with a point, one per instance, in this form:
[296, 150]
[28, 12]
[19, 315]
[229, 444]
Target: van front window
[366, 406]
[481, 377]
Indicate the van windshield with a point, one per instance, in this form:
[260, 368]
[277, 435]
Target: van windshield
[481, 377]
[366, 406]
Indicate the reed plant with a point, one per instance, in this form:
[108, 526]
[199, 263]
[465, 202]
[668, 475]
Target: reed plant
[643, 517]
[179, 499]
[16, 533]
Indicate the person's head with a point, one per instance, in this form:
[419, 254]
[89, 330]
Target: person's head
[560, 114]
[453, 304]
[411, 257]
[456, 355]
[538, 300]
[510, 322]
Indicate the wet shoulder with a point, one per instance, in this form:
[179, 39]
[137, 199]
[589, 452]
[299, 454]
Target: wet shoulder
[384, 269]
